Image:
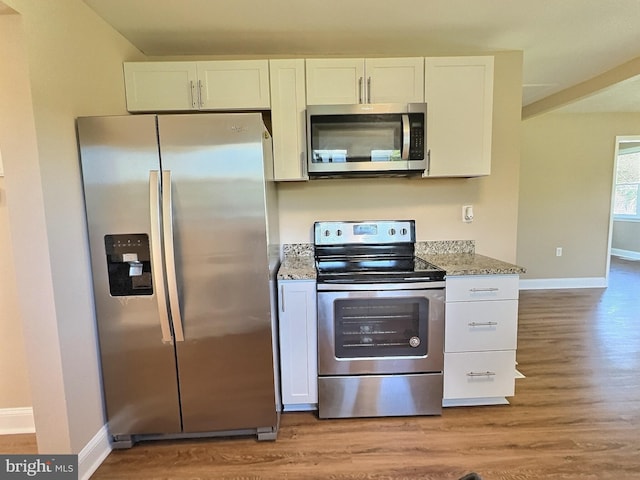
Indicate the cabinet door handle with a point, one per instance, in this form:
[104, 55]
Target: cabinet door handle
[282, 298]
[360, 89]
[483, 324]
[192, 88]
[481, 374]
[490, 289]
[369, 90]
[200, 103]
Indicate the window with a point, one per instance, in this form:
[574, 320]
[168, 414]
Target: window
[627, 188]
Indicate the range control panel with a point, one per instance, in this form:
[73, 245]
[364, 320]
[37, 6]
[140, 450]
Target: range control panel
[364, 232]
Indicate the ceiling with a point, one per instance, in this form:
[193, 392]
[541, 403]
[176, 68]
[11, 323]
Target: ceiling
[565, 42]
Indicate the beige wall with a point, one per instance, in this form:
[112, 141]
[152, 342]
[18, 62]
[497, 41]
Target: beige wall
[14, 384]
[566, 179]
[74, 63]
[435, 204]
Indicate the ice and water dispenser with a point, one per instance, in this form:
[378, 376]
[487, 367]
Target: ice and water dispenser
[129, 264]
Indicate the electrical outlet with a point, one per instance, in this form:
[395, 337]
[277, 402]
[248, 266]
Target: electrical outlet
[558, 251]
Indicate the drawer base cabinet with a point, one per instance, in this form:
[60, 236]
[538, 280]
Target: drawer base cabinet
[481, 326]
[479, 374]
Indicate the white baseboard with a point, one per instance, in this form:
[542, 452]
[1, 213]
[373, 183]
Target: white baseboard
[560, 283]
[16, 420]
[625, 253]
[93, 454]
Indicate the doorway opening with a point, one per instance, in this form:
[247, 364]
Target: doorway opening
[624, 225]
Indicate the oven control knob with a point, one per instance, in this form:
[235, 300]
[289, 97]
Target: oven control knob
[339, 233]
[403, 232]
[392, 231]
[414, 342]
[327, 233]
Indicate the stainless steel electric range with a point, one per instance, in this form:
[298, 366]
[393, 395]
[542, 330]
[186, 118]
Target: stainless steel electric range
[380, 321]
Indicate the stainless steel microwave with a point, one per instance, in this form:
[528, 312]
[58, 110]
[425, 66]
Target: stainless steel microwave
[366, 139]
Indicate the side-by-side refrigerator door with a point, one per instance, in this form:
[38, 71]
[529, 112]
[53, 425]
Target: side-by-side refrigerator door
[213, 173]
[120, 169]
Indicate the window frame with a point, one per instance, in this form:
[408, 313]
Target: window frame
[618, 217]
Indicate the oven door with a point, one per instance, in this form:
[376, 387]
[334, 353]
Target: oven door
[380, 331]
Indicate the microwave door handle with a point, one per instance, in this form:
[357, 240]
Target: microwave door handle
[406, 137]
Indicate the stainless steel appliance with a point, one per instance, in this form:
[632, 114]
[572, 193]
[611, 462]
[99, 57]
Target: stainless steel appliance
[380, 322]
[183, 240]
[367, 139]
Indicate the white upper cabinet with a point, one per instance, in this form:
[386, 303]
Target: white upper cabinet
[339, 81]
[395, 80]
[215, 85]
[288, 119]
[459, 96]
[155, 86]
[234, 84]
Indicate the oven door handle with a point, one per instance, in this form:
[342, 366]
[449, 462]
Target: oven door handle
[346, 287]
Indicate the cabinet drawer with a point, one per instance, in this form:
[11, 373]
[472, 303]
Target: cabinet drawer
[479, 326]
[479, 374]
[468, 288]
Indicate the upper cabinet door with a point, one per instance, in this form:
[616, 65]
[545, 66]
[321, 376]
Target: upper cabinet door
[335, 81]
[394, 80]
[288, 119]
[160, 86]
[341, 81]
[234, 84]
[459, 96]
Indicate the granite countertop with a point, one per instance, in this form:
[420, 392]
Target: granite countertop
[297, 262]
[456, 257]
[472, 264]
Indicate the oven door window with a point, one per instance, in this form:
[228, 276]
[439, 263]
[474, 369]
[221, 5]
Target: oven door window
[381, 327]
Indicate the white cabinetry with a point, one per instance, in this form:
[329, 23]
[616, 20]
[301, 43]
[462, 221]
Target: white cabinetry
[459, 96]
[288, 119]
[298, 344]
[372, 80]
[480, 339]
[213, 85]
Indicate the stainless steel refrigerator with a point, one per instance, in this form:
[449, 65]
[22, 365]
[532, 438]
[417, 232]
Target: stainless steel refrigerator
[181, 214]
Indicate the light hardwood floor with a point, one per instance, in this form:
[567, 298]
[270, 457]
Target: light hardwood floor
[576, 415]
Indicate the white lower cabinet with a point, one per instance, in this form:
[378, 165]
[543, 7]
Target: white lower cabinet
[298, 344]
[481, 327]
[479, 375]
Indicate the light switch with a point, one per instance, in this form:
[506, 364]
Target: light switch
[467, 213]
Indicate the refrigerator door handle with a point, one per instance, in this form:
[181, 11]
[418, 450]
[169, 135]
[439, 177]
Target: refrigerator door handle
[156, 256]
[169, 256]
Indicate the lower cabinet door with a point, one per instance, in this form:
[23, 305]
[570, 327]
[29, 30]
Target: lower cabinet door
[298, 337]
[479, 374]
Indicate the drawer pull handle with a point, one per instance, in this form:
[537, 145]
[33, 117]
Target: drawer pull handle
[483, 324]
[481, 374]
[490, 289]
